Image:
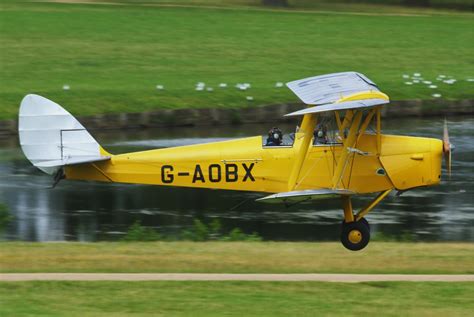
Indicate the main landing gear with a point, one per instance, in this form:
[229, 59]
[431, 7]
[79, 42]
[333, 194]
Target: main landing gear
[355, 229]
[355, 235]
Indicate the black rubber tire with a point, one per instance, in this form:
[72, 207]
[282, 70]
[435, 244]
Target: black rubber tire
[364, 231]
[363, 220]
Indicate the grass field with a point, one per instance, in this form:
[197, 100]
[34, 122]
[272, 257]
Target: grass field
[235, 299]
[237, 257]
[113, 56]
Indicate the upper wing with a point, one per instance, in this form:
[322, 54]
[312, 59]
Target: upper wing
[330, 88]
[367, 103]
[335, 92]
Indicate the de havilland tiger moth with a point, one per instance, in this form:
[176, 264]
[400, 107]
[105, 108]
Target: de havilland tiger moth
[353, 159]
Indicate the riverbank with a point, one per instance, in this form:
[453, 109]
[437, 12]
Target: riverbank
[237, 257]
[247, 115]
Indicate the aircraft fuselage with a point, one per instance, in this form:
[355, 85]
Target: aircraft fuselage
[246, 165]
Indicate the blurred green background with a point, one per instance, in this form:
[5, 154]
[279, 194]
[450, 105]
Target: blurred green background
[113, 56]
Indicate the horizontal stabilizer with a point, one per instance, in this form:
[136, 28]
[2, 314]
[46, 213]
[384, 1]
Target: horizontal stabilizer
[72, 161]
[303, 195]
[340, 106]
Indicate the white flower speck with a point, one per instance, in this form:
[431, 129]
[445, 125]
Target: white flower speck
[408, 83]
[241, 86]
[66, 87]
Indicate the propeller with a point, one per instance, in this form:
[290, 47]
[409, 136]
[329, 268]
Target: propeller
[447, 147]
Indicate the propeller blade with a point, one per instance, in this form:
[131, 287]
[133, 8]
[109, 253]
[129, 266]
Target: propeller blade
[448, 162]
[447, 147]
[446, 144]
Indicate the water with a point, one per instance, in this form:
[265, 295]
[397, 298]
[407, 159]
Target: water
[88, 211]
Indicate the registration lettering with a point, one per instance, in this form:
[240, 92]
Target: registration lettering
[216, 173]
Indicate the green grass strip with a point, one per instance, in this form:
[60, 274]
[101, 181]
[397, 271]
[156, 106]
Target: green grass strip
[237, 257]
[235, 299]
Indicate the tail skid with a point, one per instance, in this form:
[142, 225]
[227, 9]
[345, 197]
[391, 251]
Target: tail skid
[51, 137]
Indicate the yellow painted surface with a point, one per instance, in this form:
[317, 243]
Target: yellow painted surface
[301, 145]
[343, 162]
[244, 164]
[372, 204]
[370, 94]
[412, 162]
[355, 236]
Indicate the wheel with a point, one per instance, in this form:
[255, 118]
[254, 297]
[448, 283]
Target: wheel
[363, 220]
[355, 235]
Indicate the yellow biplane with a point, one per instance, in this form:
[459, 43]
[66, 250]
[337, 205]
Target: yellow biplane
[354, 158]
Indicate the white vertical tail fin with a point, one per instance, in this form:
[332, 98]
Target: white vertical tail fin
[51, 137]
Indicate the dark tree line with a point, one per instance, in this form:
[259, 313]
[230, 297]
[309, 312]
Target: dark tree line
[275, 3]
[454, 4]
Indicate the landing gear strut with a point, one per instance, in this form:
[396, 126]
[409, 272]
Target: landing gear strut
[355, 229]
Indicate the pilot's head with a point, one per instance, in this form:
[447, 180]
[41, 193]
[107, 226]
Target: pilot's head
[275, 134]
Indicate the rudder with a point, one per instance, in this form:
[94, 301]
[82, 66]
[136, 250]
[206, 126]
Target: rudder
[51, 137]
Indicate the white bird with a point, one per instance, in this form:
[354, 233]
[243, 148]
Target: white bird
[66, 87]
[436, 95]
[209, 89]
[408, 83]
[160, 87]
[433, 86]
[280, 84]
[249, 98]
[241, 86]
[416, 74]
[406, 76]
[222, 85]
